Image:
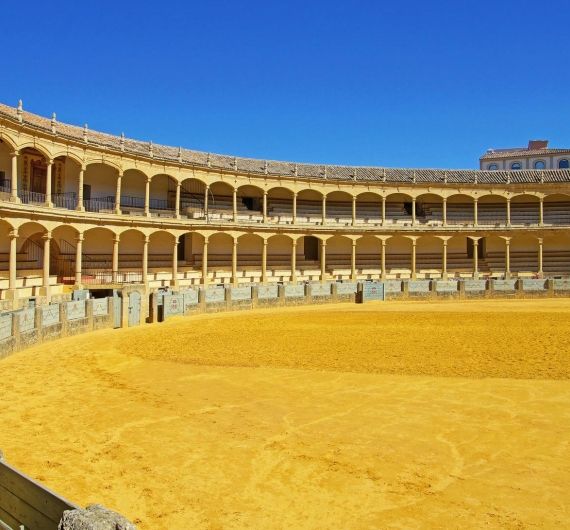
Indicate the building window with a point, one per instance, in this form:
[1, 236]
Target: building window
[539, 164]
[493, 167]
[516, 165]
[563, 164]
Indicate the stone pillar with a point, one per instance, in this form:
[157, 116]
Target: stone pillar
[540, 244]
[234, 205]
[294, 262]
[264, 262]
[145, 261]
[174, 281]
[13, 259]
[295, 208]
[147, 198]
[265, 206]
[508, 212]
[115, 266]
[383, 211]
[323, 260]
[444, 264]
[80, 206]
[475, 212]
[14, 178]
[353, 262]
[205, 263]
[414, 259]
[234, 263]
[541, 211]
[206, 197]
[383, 260]
[78, 260]
[413, 211]
[324, 210]
[507, 258]
[118, 193]
[45, 282]
[476, 258]
[444, 213]
[177, 200]
[48, 202]
[353, 211]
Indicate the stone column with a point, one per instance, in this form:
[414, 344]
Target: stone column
[205, 263]
[294, 261]
[48, 202]
[206, 197]
[324, 210]
[264, 262]
[174, 281]
[444, 204]
[118, 193]
[507, 257]
[13, 259]
[234, 263]
[147, 198]
[177, 200]
[541, 211]
[444, 265]
[413, 211]
[80, 206]
[295, 208]
[353, 262]
[475, 257]
[540, 244]
[508, 212]
[234, 205]
[145, 261]
[353, 211]
[79, 260]
[14, 178]
[475, 213]
[323, 260]
[115, 265]
[45, 282]
[414, 259]
[383, 260]
[265, 206]
[383, 211]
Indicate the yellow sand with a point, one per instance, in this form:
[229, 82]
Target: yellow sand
[398, 415]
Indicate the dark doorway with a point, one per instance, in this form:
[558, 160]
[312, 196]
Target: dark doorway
[311, 247]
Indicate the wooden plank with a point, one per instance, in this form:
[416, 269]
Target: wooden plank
[44, 500]
[26, 514]
[8, 521]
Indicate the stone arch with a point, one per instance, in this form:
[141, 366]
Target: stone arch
[250, 200]
[460, 209]
[429, 208]
[398, 208]
[460, 257]
[9, 142]
[369, 207]
[491, 209]
[429, 256]
[221, 199]
[192, 193]
[398, 257]
[309, 206]
[5, 229]
[163, 193]
[133, 190]
[369, 256]
[556, 254]
[339, 206]
[6, 151]
[30, 247]
[32, 174]
[249, 251]
[525, 209]
[100, 186]
[63, 250]
[557, 209]
[279, 255]
[280, 204]
[338, 255]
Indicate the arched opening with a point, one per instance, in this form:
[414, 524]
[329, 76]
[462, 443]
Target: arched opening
[221, 202]
[399, 209]
[368, 208]
[6, 151]
[33, 168]
[309, 207]
[557, 209]
[65, 181]
[338, 257]
[429, 209]
[339, 208]
[460, 210]
[280, 205]
[162, 200]
[250, 203]
[100, 188]
[556, 255]
[429, 257]
[460, 257]
[160, 254]
[369, 258]
[249, 251]
[130, 256]
[492, 210]
[192, 193]
[564, 164]
[63, 253]
[398, 257]
[220, 248]
[5, 230]
[525, 210]
[98, 256]
[133, 190]
[279, 258]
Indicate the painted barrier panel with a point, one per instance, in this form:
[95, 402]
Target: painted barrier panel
[372, 291]
[215, 294]
[446, 286]
[173, 304]
[294, 291]
[27, 319]
[241, 293]
[76, 310]
[346, 288]
[190, 298]
[418, 286]
[320, 289]
[80, 294]
[5, 326]
[561, 284]
[504, 285]
[392, 286]
[100, 307]
[50, 315]
[475, 285]
[265, 292]
[532, 284]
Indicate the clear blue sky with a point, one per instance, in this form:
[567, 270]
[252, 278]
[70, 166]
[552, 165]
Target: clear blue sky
[404, 84]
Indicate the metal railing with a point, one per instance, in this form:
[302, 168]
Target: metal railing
[66, 200]
[32, 197]
[99, 204]
[110, 277]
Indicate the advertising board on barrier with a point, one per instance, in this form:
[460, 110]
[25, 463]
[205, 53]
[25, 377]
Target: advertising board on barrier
[173, 304]
[372, 291]
[76, 310]
[5, 326]
[50, 315]
[100, 307]
[265, 292]
[27, 319]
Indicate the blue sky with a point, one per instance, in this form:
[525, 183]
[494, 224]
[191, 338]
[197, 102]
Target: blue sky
[403, 84]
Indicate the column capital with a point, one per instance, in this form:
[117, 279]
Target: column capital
[47, 236]
[146, 240]
[354, 242]
[50, 161]
[206, 240]
[540, 240]
[13, 233]
[148, 179]
[80, 237]
[120, 173]
[14, 153]
[323, 242]
[117, 238]
[265, 242]
[178, 184]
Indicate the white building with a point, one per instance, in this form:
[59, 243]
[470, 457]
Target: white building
[537, 155]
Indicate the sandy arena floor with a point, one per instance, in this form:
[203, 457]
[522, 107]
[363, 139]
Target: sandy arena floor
[399, 415]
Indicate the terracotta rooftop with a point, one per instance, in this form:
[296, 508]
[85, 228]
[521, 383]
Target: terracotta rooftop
[534, 148]
[227, 163]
